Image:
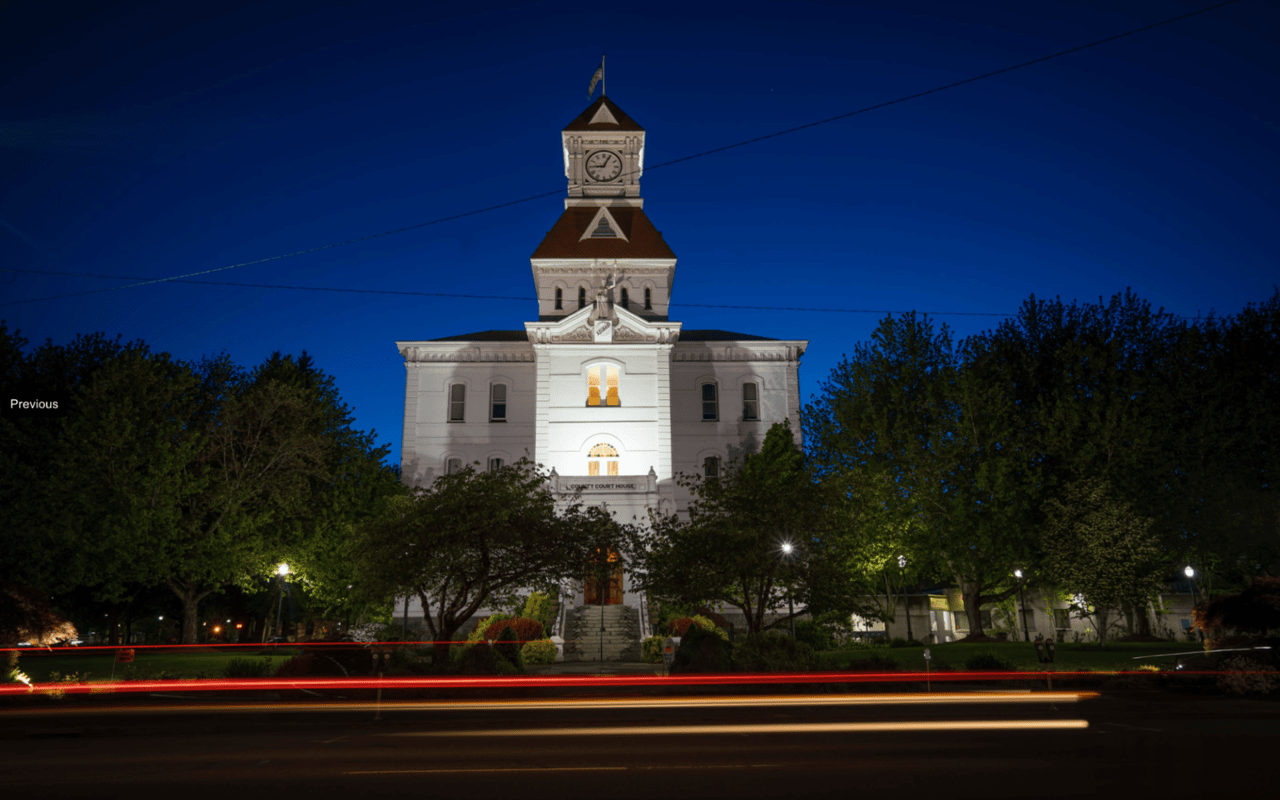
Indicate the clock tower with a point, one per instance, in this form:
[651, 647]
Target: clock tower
[603, 156]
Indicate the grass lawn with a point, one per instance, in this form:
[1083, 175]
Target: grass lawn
[1116, 656]
[38, 665]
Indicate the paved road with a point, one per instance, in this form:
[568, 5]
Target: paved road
[1134, 745]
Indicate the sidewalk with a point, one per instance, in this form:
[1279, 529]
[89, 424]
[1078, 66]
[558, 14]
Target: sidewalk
[595, 668]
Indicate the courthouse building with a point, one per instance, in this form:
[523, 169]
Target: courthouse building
[603, 388]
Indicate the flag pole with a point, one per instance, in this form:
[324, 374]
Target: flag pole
[604, 77]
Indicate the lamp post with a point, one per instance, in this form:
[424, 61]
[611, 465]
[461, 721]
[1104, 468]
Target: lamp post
[281, 570]
[1026, 634]
[906, 598]
[1191, 573]
[791, 609]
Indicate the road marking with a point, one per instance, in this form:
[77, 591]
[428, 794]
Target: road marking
[1135, 727]
[331, 741]
[813, 727]
[484, 769]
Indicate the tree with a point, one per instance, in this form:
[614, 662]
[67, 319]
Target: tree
[733, 547]
[475, 539]
[1099, 549]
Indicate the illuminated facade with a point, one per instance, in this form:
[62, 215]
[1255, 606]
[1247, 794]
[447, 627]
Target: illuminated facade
[604, 389]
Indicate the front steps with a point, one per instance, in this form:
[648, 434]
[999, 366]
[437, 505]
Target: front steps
[620, 640]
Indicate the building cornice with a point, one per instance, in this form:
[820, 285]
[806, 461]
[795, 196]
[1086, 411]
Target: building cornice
[463, 352]
[781, 350]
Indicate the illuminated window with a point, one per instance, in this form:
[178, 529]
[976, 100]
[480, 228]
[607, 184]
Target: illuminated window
[750, 402]
[498, 402]
[648, 299]
[711, 467]
[602, 386]
[559, 299]
[710, 403]
[626, 301]
[606, 452]
[582, 297]
[457, 402]
[452, 466]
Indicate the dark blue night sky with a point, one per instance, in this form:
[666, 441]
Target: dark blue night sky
[153, 140]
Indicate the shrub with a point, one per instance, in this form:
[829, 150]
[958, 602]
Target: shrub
[873, 663]
[542, 651]
[507, 648]
[680, 627]
[898, 642]
[539, 607]
[702, 651]
[771, 651]
[478, 632]
[478, 659]
[1245, 675]
[651, 649]
[815, 634]
[314, 664]
[988, 662]
[247, 668]
[525, 630]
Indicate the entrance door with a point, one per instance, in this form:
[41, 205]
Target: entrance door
[612, 587]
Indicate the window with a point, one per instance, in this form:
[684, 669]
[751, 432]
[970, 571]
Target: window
[711, 467]
[457, 402]
[582, 297]
[648, 299]
[498, 402]
[603, 231]
[452, 466]
[626, 301]
[559, 298]
[608, 453]
[495, 464]
[1061, 618]
[985, 616]
[750, 402]
[710, 403]
[603, 377]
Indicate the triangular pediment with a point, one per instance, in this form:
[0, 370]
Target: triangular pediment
[603, 116]
[603, 226]
[626, 328]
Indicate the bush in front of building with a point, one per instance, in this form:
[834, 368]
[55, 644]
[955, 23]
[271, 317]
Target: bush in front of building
[988, 662]
[525, 630]
[651, 649]
[772, 651]
[815, 634]
[680, 627]
[703, 651]
[507, 647]
[1244, 675]
[247, 668]
[873, 663]
[542, 651]
[540, 607]
[900, 642]
[478, 633]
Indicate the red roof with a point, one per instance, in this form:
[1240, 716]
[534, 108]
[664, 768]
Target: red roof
[643, 240]
[582, 123]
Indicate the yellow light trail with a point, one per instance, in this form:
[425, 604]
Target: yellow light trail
[802, 727]
[637, 703]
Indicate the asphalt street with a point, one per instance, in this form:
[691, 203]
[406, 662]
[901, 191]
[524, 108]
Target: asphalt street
[970, 744]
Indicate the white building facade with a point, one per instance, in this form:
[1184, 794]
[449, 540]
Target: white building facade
[603, 389]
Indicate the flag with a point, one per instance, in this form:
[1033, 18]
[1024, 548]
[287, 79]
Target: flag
[595, 79]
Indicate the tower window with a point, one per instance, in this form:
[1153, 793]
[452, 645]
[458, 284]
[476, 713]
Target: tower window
[498, 402]
[648, 299]
[602, 386]
[495, 464]
[452, 466]
[625, 300]
[711, 467]
[603, 231]
[710, 403]
[582, 297]
[457, 402]
[559, 298]
[606, 452]
[750, 402]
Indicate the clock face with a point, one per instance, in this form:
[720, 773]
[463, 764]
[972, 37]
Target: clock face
[603, 165]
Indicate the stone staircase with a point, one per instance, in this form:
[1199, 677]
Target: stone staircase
[621, 637]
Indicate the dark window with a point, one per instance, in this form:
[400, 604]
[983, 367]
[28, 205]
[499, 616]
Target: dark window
[626, 301]
[495, 464]
[648, 299]
[457, 402]
[710, 402]
[559, 299]
[711, 467]
[452, 466]
[1061, 618]
[986, 619]
[603, 231]
[750, 402]
[498, 403]
[582, 297]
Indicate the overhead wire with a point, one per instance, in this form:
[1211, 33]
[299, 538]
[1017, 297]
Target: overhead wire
[703, 154]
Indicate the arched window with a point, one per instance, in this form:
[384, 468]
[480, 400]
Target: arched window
[625, 300]
[648, 299]
[602, 380]
[495, 464]
[457, 402]
[452, 465]
[582, 297]
[711, 467]
[710, 403]
[559, 298]
[602, 452]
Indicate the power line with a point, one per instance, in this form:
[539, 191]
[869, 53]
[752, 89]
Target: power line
[703, 154]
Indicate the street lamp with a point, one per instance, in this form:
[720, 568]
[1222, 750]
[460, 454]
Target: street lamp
[1026, 634]
[282, 571]
[1191, 573]
[906, 599]
[791, 609]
